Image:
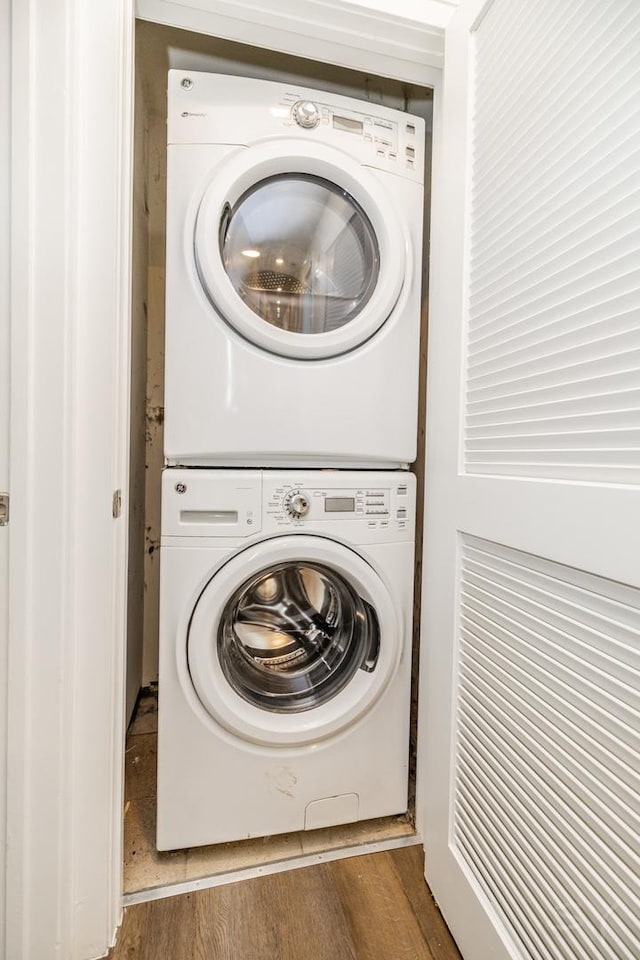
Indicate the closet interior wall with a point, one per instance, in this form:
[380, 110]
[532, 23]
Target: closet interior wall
[158, 49]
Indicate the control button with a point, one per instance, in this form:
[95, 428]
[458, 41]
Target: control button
[410, 152]
[306, 114]
[401, 513]
[410, 129]
[402, 491]
[297, 504]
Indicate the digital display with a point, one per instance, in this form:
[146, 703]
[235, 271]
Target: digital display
[346, 123]
[339, 504]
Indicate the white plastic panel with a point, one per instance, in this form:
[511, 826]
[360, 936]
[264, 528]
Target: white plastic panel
[194, 507]
[331, 811]
[553, 353]
[547, 781]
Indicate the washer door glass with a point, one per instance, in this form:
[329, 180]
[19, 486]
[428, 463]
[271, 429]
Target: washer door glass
[300, 252]
[292, 636]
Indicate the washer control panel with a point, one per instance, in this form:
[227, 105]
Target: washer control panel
[383, 505]
[361, 506]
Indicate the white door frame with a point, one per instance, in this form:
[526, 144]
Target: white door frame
[329, 31]
[5, 346]
[72, 96]
[71, 180]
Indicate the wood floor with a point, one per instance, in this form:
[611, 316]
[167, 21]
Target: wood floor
[373, 907]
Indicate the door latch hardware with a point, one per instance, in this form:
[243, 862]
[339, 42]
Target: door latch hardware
[4, 509]
[116, 504]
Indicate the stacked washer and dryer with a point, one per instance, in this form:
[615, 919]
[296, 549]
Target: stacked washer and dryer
[294, 230]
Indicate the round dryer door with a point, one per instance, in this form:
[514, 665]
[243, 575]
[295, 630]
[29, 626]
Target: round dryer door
[292, 640]
[300, 249]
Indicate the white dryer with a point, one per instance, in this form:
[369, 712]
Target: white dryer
[285, 651]
[294, 230]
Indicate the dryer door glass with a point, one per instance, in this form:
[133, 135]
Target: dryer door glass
[300, 252]
[293, 635]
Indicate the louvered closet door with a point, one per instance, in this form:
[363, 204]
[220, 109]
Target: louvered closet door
[529, 745]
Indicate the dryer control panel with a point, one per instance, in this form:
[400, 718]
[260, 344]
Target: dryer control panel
[217, 109]
[381, 133]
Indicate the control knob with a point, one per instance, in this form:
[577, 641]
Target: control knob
[306, 114]
[297, 504]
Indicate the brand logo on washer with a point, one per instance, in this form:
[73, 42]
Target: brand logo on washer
[186, 113]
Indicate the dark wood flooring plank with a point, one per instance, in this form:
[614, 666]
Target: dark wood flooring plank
[315, 925]
[155, 930]
[290, 916]
[409, 865]
[383, 924]
[231, 922]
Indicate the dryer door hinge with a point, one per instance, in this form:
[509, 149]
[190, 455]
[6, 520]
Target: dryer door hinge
[4, 509]
[116, 504]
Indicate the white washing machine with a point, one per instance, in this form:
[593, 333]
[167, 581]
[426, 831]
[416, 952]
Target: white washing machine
[294, 232]
[285, 651]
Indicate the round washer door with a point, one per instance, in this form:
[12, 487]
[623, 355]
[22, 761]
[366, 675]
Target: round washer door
[300, 249]
[292, 640]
